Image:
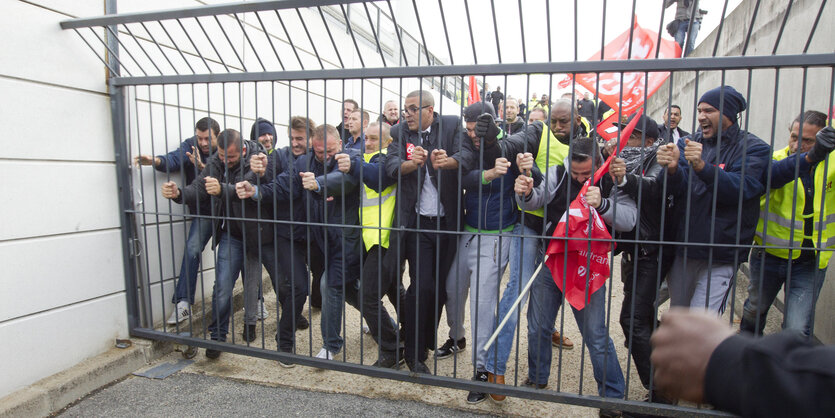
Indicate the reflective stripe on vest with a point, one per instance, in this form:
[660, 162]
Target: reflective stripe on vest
[551, 152]
[376, 212]
[776, 226]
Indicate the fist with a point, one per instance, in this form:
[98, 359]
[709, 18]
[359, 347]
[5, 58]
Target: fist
[502, 164]
[667, 156]
[485, 128]
[309, 181]
[419, 156]
[525, 162]
[617, 170]
[593, 197]
[523, 185]
[693, 154]
[343, 162]
[244, 189]
[439, 158]
[212, 186]
[170, 190]
[144, 160]
[258, 164]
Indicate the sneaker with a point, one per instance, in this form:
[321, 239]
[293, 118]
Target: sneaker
[287, 364]
[499, 380]
[325, 354]
[181, 312]
[529, 383]
[610, 413]
[560, 340]
[249, 333]
[302, 323]
[418, 367]
[365, 329]
[262, 313]
[450, 347]
[212, 354]
[477, 397]
[389, 359]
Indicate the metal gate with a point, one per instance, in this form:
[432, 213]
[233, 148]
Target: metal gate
[278, 59]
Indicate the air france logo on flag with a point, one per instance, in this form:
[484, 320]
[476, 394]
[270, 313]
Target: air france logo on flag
[410, 148]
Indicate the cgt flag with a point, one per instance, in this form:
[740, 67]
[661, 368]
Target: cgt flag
[474, 96]
[632, 85]
[585, 259]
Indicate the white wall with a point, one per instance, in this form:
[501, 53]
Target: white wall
[787, 97]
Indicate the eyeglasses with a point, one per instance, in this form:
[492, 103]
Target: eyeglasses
[413, 109]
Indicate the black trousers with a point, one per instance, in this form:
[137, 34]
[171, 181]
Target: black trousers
[292, 289]
[381, 276]
[430, 256]
[641, 290]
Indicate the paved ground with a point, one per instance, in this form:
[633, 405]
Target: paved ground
[188, 394]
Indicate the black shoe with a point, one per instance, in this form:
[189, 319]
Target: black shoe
[450, 347]
[418, 367]
[477, 397]
[302, 323]
[212, 354]
[249, 333]
[389, 359]
[287, 364]
[532, 385]
[610, 413]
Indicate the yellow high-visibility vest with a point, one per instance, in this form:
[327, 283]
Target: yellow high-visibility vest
[551, 152]
[376, 210]
[782, 230]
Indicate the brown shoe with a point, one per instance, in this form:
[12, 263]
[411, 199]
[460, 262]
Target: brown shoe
[498, 379]
[559, 340]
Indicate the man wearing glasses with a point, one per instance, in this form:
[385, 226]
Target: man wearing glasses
[425, 155]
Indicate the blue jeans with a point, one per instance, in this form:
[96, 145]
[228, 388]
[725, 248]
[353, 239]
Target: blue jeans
[525, 254]
[681, 34]
[546, 299]
[230, 259]
[199, 234]
[802, 291]
[333, 301]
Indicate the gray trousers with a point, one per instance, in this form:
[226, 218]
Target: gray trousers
[689, 284]
[481, 261]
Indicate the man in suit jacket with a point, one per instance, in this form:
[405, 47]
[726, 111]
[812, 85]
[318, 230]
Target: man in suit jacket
[669, 130]
[425, 156]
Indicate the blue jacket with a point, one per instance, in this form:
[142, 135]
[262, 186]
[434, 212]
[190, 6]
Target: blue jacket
[490, 206]
[734, 188]
[177, 160]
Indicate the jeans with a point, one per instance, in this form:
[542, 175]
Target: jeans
[230, 259]
[199, 234]
[546, 299]
[802, 290]
[333, 301]
[681, 34]
[525, 255]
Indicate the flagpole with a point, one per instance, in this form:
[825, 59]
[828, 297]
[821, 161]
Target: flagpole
[515, 305]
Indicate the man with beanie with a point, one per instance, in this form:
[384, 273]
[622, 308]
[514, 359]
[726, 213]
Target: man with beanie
[263, 131]
[719, 160]
[482, 251]
[795, 215]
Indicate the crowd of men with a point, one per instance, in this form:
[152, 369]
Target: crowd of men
[458, 201]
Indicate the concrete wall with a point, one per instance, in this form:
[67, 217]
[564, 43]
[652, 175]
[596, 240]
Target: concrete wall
[775, 97]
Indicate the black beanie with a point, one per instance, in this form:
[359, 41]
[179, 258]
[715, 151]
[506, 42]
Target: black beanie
[473, 111]
[733, 101]
[261, 127]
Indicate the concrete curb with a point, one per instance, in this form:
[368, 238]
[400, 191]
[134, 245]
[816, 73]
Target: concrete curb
[54, 393]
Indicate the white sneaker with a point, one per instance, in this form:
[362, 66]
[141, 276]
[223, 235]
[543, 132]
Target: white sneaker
[262, 313]
[365, 329]
[325, 354]
[181, 312]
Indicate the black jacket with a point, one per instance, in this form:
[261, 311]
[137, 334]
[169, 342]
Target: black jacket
[446, 134]
[227, 205]
[667, 135]
[781, 375]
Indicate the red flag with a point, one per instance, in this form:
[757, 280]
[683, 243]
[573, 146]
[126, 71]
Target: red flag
[608, 128]
[474, 96]
[633, 85]
[585, 261]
